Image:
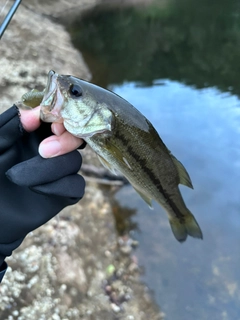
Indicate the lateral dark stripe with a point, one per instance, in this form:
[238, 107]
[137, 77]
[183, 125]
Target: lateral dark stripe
[151, 175]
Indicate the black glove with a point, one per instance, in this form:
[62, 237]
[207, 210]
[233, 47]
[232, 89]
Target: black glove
[32, 189]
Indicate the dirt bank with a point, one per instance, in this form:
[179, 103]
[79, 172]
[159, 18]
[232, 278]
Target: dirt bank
[75, 266]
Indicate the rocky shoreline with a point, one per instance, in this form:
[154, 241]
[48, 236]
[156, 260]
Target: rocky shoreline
[76, 266]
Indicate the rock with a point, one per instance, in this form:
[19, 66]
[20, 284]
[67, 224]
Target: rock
[31, 46]
[59, 271]
[115, 308]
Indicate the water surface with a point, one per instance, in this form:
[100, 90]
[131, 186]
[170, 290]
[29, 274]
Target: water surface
[179, 64]
[197, 279]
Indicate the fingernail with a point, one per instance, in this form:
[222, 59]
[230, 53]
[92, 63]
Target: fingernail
[49, 149]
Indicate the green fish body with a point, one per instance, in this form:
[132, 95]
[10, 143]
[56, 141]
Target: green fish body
[124, 140]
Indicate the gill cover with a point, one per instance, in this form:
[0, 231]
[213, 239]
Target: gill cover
[85, 118]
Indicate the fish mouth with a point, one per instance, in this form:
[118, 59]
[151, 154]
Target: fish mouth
[52, 101]
[52, 75]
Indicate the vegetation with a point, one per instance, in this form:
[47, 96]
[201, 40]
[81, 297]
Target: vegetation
[195, 42]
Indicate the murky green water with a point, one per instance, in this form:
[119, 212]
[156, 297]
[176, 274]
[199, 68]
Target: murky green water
[179, 64]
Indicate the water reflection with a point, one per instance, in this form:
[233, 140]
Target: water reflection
[199, 279]
[123, 217]
[195, 42]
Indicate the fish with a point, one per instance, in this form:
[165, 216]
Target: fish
[125, 141]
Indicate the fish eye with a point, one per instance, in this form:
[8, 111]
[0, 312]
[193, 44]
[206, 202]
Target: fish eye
[75, 90]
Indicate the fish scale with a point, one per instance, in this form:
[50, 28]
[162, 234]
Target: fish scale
[124, 140]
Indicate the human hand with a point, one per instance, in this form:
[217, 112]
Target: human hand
[60, 143]
[33, 189]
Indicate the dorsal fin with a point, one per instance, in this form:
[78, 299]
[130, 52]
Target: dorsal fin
[182, 173]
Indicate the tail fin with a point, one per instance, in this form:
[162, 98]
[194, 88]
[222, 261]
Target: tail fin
[184, 227]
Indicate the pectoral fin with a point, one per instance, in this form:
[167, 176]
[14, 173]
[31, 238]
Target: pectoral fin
[118, 155]
[106, 164]
[118, 158]
[182, 173]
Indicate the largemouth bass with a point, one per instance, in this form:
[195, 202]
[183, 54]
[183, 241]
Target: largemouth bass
[124, 140]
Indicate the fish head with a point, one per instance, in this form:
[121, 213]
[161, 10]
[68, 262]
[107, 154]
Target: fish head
[77, 104]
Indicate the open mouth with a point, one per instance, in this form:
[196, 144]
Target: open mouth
[50, 91]
[52, 100]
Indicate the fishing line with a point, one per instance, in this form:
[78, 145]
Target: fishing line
[9, 17]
